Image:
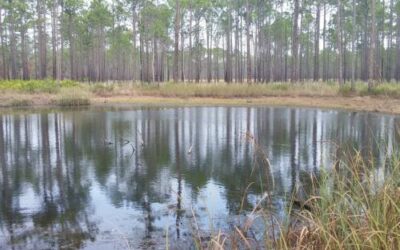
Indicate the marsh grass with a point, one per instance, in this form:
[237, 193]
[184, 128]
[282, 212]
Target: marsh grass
[202, 90]
[235, 90]
[72, 97]
[351, 209]
[354, 205]
[239, 90]
[20, 103]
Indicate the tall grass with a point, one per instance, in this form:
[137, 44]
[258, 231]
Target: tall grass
[72, 97]
[351, 209]
[240, 90]
[212, 90]
[350, 206]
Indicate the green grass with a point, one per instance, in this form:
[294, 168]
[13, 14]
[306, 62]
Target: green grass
[36, 86]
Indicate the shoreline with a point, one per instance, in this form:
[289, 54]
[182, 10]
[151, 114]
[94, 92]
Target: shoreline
[360, 104]
[356, 103]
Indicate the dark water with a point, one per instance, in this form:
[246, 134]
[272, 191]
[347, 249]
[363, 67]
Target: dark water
[127, 177]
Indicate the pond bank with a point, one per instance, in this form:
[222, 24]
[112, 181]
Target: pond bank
[357, 103]
[369, 104]
[383, 98]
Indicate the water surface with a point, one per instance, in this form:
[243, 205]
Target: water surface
[121, 178]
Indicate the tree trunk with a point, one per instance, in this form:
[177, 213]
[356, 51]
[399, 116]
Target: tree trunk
[324, 67]
[209, 62]
[248, 53]
[198, 49]
[182, 55]
[3, 49]
[134, 42]
[54, 37]
[316, 43]
[339, 42]
[371, 66]
[190, 64]
[13, 42]
[41, 27]
[25, 66]
[295, 43]
[71, 48]
[176, 51]
[228, 67]
[353, 48]
[389, 61]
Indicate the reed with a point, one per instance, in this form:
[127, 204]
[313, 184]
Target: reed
[349, 206]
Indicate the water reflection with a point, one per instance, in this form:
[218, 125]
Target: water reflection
[124, 178]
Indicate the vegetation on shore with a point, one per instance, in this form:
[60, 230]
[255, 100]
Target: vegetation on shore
[311, 94]
[216, 90]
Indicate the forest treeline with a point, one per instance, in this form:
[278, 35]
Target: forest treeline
[201, 40]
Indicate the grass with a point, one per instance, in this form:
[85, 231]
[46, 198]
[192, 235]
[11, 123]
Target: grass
[348, 207]
[211, 90]
[237, 90]
[20, 103]
[216, 90]
[72, 97]
[35, 86]
[351, 208]
[307, 94]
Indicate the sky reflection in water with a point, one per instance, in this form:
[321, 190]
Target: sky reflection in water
[124, 177]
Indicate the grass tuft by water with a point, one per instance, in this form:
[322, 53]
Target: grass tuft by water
[73, 97]
[351, 206]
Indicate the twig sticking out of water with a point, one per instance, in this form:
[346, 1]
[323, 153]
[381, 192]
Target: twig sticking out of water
[107, 142]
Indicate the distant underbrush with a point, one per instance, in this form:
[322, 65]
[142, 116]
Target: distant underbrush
[219, 90]
[36, 86]
[243, 90]
[210, 90]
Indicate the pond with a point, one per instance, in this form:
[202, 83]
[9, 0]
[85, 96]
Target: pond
[151, 177]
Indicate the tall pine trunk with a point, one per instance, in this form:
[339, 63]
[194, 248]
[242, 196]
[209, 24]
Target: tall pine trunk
[295, 43]
[353, 48]
[371, 66]
[339, 42]
[176, 44]
[248, 52]
[316, 43]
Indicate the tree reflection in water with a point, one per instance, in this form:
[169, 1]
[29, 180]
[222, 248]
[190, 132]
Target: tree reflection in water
[74, 179]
